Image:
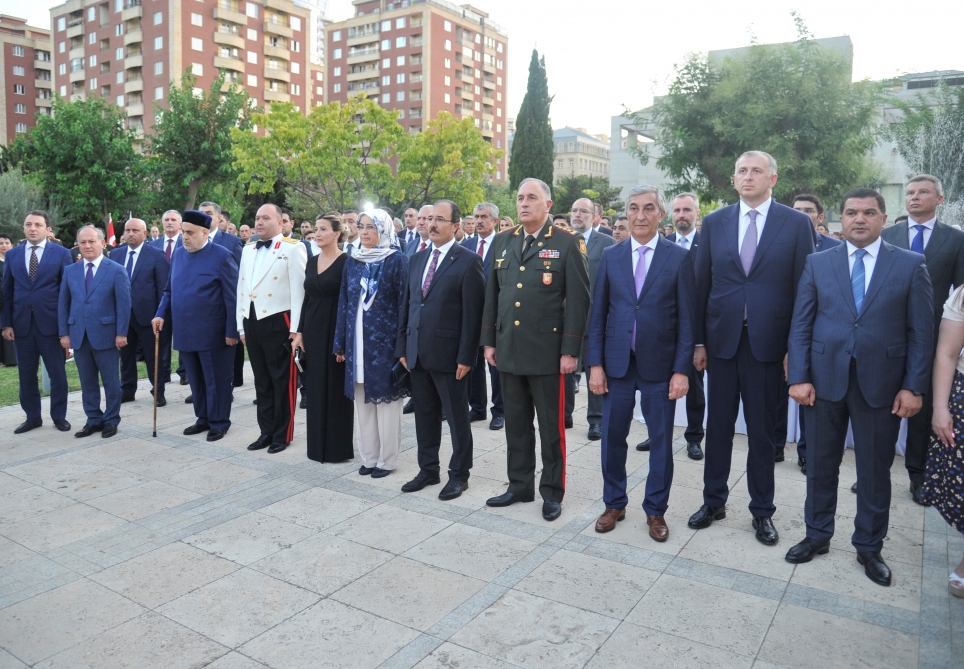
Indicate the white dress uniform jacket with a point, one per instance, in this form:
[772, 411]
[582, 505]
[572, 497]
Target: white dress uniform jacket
[277, 286]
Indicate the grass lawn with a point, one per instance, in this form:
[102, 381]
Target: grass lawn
[10, 380]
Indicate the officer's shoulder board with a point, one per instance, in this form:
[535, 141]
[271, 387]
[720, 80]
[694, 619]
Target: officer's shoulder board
[252, 242]
[556, 228]
[289, 240]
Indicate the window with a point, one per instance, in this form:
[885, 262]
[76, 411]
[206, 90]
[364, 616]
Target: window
[336, 72]
[296, 89]
[498, 47]
[91, 38]
[448, 45]
[500, 64]
[561, 149]
[448, 80]
[400, 22]
[159, 67]
[489, 43]
[572, 146]
[336, 88]
[294, 22]
[386, 63]
[448, 62]
[120, 100]
[400, 42]
[119, 29]
[319, 90]
[93, 84]
[20, 109]
[401, 113]
[559, 164]
[400, 96]
[119, 53]
[272, 64]
[498, 80]
[478, 106]
[253, 57]
[336, 53]
[386, 26]
[197, 19]
[159, 93]
[400, 78]
[62, 68]
[18, 51]
[197, 69]
[63, 91]
[18, 70]
[296, 46]
[498, 96]
[92, 61]
[386, 80]
[21, 127]
[159, 18]
[386, 44]
[18, 89]
[571, 163]
[197, 44]
[61, 47]
[119, 77]
[251, 9]
[400, 60]
[448, 98]
[448, 26]
[158, 42]
[336, 36]
[62, 23]
[295, 68]
[252, 80]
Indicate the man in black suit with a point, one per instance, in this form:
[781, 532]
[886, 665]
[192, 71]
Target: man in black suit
[438, 341]
[597, 221]
[147, 271]
[485, 216]
[748, 264]
[861, 351]
[410, 233]
[943, 249]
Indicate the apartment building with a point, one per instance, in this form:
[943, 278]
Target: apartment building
[577, 153]
[25, 76]
[130, 51]
[421, 57]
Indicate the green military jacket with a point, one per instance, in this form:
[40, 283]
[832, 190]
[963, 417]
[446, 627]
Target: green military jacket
[537, 307]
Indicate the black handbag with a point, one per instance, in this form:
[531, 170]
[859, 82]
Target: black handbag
[400, 375]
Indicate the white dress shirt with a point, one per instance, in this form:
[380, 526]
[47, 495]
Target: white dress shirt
[488, 243]
[870, 260]
[133, 255]
[96, 263]
[649, 256]
[355, 246]
[587, 234]
[692, 235]
[912, 231]
[40, 253]
[411, 236]
[259, 255]
[445, 248]
[761, 220]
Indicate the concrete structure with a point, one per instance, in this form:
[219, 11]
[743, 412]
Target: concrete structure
[576, 152]
[422, 57]
[131, 53]
[318, 23]
[25, 76]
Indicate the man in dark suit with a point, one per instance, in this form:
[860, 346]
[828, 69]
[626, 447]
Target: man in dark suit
[594, 243]
[438, 341]
[147, 271]
[167, 243]
[422, 241]
[32, 275]
[200, 306]
[235, 246]
[943, 249]
[597, 221]
[410, 233]
[485, 215]
[94, 311]
[749, 261]
[641, 339]
[861, 351]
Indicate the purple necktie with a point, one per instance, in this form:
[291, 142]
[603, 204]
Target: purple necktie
[640, 279]
[431, 273]
[749, 247]
[89, 278]
[167, 251]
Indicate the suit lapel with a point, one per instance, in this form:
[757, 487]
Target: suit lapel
[900, 236]
[841, 267]
[938, 237]
[660, 256]
[444, 263]
[885, 262]
[417, 269]
[98, 275]
[771, 229]
[731, 231]
[593, 238]
[515, 245]
[266, 263]
[627, 264]
[541, 235]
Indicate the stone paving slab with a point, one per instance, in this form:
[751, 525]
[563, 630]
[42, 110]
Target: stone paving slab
[172, 551]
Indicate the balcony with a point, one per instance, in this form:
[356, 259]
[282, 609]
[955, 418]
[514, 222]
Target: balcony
[272, 28]
[280, 5]
[135, 110]
[367, 73]
[132, 13]
[415, 78]
[43, 65]
[133, 37]
[43, 83]
[417, 42]
[231, 16]
[462, 76]
[363, 57]
[76, 30]
[133, 85]
[486, 67]
[363, 38]
[79, 75]
[277, 75]
[42, 102]
[133, 60]
[79, 52]
[416, 60]
[276, 96]
[277, 52]
[79, 96]
[227, 39]
[233, 64]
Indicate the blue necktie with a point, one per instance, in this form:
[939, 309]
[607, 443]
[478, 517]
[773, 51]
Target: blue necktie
[857, 278]
[130, 264]
[89, 278]
[917, 246]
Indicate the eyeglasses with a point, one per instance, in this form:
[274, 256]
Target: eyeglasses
[367, 227]
[439, 219]
[581, 211]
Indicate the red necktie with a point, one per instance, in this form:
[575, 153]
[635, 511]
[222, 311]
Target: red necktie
[167, 251]
[422, 247]
[482, 247]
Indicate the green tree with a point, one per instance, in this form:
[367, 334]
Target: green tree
[449, 159]
[501, 196]
[568, 189]
[332, 159]
[83, 154]
[191, 145]
[19, 195]
[794, 101]
[532, 144]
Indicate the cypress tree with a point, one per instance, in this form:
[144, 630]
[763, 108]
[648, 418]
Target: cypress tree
[532, 145]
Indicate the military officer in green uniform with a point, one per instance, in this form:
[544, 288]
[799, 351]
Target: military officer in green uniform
[536, 311]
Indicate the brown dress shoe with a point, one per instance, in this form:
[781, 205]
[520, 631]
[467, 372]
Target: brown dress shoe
[607, 521]
[657, 528]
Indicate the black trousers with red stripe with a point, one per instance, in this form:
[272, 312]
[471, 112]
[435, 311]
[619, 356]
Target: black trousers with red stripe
[274, 374]
[525, 398]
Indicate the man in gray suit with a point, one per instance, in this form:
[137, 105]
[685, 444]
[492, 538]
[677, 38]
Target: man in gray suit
[861, 348]
[943, 249]
[581, 220]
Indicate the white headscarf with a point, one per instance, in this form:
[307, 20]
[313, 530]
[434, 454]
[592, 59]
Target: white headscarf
[372, 257]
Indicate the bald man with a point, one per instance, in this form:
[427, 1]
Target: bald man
[147, 270]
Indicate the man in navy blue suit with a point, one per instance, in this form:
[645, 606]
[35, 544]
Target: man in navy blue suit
[749, 261]
[147, 270]
[486, 216]
[31, 287]
[199, 305]
[93, 316]
[861, 351]
[167, 243]
[640, 339]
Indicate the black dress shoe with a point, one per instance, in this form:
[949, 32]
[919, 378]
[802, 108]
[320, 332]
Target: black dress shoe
[126, 398]
[705, 517]
[183, 381]
[108, 431]
[237, 383]
[379, 473]
[569, 423]
[365, 471]
[453, 489]
[643, 445]
[779, 457]
[595, 432]
[802, 464]
[497, 423]
[766, 533]
[693, 451]
[263, 442]
[551, 510]
[304, 403]
[917, 493]
[875, 567]
[197, 428]
[476, 416]
[853, 488]
[62, 425]
[28, 425]
[254, 401]
[215, 435]
[507, 499]
[421, 480]
[189, 399]
[162, 401]
[806, 550]
[88, 430]
[409, 407]
[277, 448]
[443, 418]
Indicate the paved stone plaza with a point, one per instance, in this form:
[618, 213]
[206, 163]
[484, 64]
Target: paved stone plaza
[172, 552]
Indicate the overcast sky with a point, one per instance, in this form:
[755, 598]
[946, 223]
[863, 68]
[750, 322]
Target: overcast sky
[604, 54]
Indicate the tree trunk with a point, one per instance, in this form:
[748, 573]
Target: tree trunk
[192, 190]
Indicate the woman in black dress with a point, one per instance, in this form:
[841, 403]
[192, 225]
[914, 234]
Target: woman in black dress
[330, 415]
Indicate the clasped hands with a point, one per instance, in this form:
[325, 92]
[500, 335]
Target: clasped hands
[679, 384]
[906, 404]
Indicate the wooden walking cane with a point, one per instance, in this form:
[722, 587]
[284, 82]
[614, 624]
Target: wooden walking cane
[157, 357]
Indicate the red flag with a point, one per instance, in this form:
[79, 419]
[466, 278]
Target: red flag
[110, 230]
